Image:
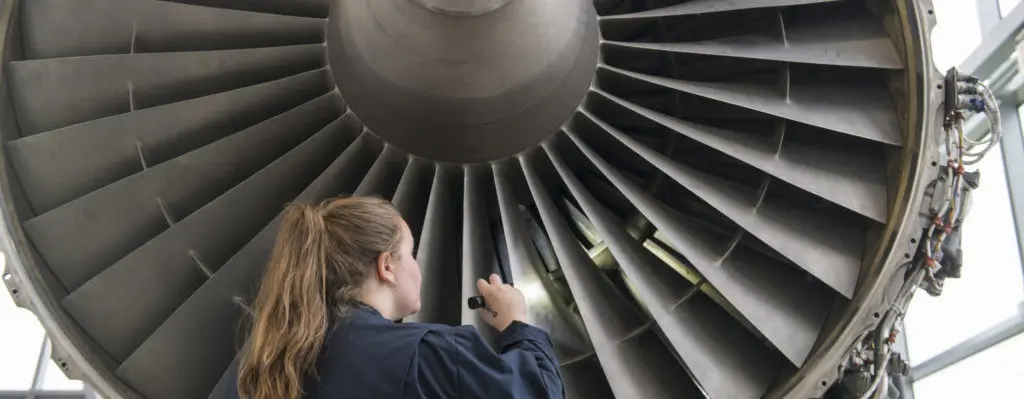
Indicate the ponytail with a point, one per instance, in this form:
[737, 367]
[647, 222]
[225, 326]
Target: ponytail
[290, 317]
[321, 258]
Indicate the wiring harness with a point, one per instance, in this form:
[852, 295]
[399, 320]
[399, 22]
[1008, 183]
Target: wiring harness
[872, 364]
[951, 193]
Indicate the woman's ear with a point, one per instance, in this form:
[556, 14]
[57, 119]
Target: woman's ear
[385, 271]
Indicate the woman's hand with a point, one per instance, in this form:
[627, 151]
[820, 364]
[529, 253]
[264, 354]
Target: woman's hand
[505, 303]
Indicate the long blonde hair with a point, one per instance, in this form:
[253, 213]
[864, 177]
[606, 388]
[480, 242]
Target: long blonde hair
[323, 255]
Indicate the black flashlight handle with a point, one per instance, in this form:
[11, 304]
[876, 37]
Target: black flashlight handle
[476, 302]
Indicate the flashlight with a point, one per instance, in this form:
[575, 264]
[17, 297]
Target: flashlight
[476, 302]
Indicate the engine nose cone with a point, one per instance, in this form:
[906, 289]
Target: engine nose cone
[486, 78]
[463, 7]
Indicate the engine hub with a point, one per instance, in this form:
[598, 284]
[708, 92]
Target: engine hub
[485, 78]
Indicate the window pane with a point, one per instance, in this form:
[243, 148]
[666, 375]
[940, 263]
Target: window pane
[1006, 6]
[957, 32]
[996, 372]
[21, 339]
[991, 286]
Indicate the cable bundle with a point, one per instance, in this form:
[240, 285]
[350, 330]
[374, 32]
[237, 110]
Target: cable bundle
[941, 240]
[974, 96]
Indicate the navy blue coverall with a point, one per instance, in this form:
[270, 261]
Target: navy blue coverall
[368, 356]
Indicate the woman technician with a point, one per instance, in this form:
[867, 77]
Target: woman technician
[323, 323]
